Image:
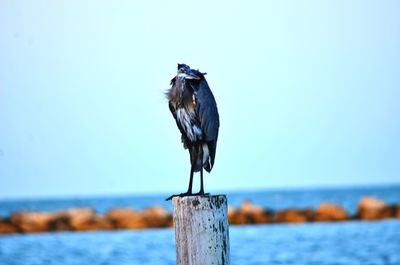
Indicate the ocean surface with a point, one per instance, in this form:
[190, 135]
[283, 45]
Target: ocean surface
[353, 242]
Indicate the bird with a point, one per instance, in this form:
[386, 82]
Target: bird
[193, 106]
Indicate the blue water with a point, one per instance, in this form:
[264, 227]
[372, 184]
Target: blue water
[347, 243]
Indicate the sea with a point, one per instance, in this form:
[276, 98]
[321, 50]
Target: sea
[347, 243]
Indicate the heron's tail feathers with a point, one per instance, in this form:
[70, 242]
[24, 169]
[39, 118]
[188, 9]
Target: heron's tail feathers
[204, 159]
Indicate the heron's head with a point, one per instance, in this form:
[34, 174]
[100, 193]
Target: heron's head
[185, 72]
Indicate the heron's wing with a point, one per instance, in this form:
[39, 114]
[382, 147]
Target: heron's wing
[207, 111]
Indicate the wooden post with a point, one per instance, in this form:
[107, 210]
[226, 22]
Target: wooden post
[201, 230]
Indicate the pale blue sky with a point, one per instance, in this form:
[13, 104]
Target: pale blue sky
[308, 94]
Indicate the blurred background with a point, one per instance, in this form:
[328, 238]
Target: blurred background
[308, 95]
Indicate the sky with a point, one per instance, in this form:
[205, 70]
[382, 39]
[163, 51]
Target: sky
[308, 94]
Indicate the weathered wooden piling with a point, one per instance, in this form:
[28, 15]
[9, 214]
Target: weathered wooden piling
[201, 230]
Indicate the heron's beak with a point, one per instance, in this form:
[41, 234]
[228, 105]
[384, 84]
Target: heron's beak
[188, 76]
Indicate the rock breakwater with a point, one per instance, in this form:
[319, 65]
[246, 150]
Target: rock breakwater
[86, 219]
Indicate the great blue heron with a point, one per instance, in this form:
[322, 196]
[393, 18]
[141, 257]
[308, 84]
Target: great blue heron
[194, 109]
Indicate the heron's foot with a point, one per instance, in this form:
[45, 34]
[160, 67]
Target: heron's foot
[185, 194]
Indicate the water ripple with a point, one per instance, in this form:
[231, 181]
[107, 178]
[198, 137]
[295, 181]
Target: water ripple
[345, 243]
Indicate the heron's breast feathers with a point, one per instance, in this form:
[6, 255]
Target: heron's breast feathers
[188, 121]
[182, 101]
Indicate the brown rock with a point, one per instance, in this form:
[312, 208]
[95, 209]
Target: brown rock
[396, 211]
[292, 216]
[97, 222]
[86, 219]
[370, 208]
[6, 227]
[125, 218]
[309, 214]
[79, 217]
[31, 221]
[248, 213]
[231, 214]
[255, 213]
[156, 216]
[59, 221]
[330, 212]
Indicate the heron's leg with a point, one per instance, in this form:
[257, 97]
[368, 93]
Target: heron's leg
[201, 192]
[189, 191]
[194, 155]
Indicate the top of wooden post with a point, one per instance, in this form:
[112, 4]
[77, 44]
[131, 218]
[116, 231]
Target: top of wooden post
[201, 202]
